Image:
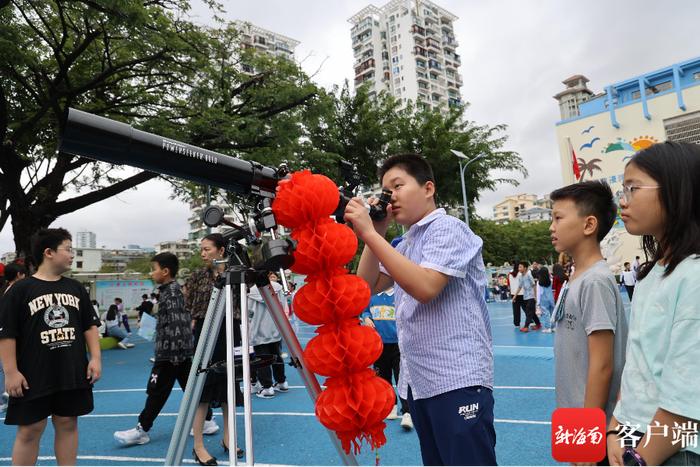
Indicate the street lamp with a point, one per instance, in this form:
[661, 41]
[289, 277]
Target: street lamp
[462, 169]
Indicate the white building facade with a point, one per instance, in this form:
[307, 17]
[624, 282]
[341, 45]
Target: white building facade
[610, 127]
[408, 49]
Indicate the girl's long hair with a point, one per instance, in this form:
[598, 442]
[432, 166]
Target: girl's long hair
[676, 168]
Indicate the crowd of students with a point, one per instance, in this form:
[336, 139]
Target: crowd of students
[643, 370]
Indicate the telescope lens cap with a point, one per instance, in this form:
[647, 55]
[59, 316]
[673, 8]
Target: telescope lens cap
[212, 216]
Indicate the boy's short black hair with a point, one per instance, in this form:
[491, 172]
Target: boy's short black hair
[525, 264]
[167, 260]
[118, 299]
[415, 165]
[592, 198]
[627, 263]
[47, 238]
[144, 296]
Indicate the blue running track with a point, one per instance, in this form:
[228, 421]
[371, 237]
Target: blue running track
[285, 428]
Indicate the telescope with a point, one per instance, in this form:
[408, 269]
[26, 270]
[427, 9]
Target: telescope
[106, 140]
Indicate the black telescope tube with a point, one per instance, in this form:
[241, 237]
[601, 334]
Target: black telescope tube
[106, 140]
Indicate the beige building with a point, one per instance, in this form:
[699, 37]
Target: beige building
[508, 209]
[408, 49]
[608, 128]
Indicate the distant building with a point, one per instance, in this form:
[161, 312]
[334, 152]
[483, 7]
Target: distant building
[180, 248]
[87, 259]
[535, 214]
[117, 259]
[264, 41]
[523, 207]
[408, 48]
[85, 239]
[8, 257]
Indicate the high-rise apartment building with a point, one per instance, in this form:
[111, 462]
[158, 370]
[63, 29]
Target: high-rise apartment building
[408, 49]
[85, 240]
[263, 40]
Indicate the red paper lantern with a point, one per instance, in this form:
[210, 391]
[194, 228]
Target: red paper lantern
[356, 401]
[347, 348]
[355, 407]
[329, 299]
[325, 246]
[304, 198]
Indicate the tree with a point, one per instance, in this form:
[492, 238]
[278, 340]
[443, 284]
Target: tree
[136, 61]
[126, 60]
[432, 134]
[528, 241]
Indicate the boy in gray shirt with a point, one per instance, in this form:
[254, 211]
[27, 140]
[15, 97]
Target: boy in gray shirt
[591, 327]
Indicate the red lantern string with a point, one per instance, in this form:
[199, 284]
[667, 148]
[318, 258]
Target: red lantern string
[356, 401]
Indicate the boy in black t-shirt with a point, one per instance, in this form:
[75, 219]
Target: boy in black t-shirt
[174, 348]
[45, 323]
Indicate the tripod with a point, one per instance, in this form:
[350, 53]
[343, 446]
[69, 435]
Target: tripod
[239, 275]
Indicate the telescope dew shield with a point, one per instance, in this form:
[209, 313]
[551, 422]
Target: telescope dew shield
[106, 140]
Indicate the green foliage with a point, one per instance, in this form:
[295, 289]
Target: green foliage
[503, 243]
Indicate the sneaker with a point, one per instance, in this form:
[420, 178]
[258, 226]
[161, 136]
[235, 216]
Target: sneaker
[132, 437]
[281, 387]
[210, 428]
[537, 328]
[517, 326]
[524, 329]
[547, 331]
[129, 345]
[394, 414]
[122, 345]
[256, 388]
[266, 393]
[406, 422]
[152, 359]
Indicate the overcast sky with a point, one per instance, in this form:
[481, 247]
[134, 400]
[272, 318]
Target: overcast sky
[515, 53]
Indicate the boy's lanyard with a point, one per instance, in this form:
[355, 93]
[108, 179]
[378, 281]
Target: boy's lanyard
[560, 306]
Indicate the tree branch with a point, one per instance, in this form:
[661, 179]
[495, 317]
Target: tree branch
[79, 202]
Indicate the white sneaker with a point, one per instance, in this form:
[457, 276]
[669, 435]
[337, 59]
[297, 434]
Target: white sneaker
[394, 414]
[210, 428]
[131, 437]
[406, 422]
[255, 388]
[122, 345]
[152, 359]
[266, 393]
[281, 387]
[547, 331]
[129, 345]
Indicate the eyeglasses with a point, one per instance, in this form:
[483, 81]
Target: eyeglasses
[628, 190]
[67, 250]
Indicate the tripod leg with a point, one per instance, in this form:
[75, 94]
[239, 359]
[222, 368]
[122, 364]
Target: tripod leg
[195, 381]
[312, 386]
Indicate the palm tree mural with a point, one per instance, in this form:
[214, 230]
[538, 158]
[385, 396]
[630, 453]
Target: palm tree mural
[589, 167]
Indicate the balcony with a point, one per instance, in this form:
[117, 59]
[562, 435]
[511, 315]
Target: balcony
[366, 65]
[453, 102]
[434, 65]
[415, 29]
[420, 51]
[420, 64]
[432, 43]
[449, 41]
